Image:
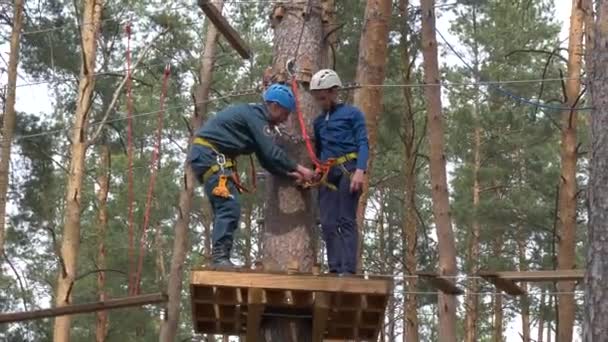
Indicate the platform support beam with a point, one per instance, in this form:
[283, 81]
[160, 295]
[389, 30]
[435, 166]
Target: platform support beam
[320, 315]
[255, 308]
[222, 25]
[505, 285]
[443, 284]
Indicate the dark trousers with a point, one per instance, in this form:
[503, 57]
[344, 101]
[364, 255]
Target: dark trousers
[338, 211]
[226, 211]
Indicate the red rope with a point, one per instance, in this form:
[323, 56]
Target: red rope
[309, 148]
[131, 193]
[154, 165]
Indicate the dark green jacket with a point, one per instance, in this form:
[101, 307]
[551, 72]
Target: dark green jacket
[245, 129]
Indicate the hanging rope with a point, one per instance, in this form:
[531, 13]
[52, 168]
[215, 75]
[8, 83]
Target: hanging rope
[154, 166]
[131, 192]
[321, 168]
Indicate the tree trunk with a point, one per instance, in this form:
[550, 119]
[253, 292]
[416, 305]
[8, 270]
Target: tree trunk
[549, 323]
[472, 299]
[498, 307]
[541, 318]
[248, 236]
[440, 197]
[498, 318]
[596, 299]
[410, 235]
[371, 66]
[568, 189]
[70, 242]
[168, 329]
[288, 225]
[524, 301]
[101, 331]
[9, 116]
[201, 94]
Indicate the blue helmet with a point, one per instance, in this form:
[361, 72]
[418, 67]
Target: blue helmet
[282, 95]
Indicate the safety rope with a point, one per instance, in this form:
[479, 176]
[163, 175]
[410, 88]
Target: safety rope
[131, 192]
[154, 165]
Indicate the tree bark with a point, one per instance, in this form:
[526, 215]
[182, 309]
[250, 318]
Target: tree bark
[101, 331]
[70, 242]
[371, 66]
[440, 196]
[410, 227]
[288, 224]
[168, 329]
[595, 326]
[9, 116]
[568, 187]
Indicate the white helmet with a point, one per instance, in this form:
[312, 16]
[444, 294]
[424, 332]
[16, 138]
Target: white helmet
[325, 79]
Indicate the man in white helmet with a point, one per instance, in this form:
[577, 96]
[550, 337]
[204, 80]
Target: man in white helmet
[341, 136]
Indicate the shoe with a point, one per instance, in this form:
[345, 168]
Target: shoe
[220, 255]
[223, 264]
[346, 274]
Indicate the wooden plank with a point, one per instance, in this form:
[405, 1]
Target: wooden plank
[225, 29]
[320, 315]
[505, 285]
[539, 276]
[255, 309]
[296, 282]
[443, 284]
[110, 304]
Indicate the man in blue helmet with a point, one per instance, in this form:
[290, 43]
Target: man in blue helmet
[240, 130]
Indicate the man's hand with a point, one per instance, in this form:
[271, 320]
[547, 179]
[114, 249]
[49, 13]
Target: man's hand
[302, 175]
[306, 173]
[297, 176]
[356, 182]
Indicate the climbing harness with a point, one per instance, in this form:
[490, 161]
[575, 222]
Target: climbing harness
[223, 163]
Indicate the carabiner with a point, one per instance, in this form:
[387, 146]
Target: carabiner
[221, 161]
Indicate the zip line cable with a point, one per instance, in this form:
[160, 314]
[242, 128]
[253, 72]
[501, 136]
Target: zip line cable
[386, 85]
[517, 98]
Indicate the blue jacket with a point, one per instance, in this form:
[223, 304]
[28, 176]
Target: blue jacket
[245, 129]
[341, 131]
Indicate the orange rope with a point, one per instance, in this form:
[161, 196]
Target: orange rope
[154, 165]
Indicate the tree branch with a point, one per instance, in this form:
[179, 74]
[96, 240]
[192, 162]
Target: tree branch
[64, 273]
[118, 90]
[18, 279]
[550, 53]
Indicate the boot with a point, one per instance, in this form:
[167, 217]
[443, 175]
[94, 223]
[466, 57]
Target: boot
[221, 254]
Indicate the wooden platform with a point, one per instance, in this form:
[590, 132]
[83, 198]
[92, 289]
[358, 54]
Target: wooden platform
[340, 308]
[506, 281]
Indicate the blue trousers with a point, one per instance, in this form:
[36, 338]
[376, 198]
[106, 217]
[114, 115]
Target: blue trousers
[338, 211]
[226, 211]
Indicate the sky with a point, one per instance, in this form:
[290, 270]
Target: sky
[37, 99]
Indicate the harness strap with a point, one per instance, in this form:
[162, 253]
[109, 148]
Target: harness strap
[324, 169]
[229, 164]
